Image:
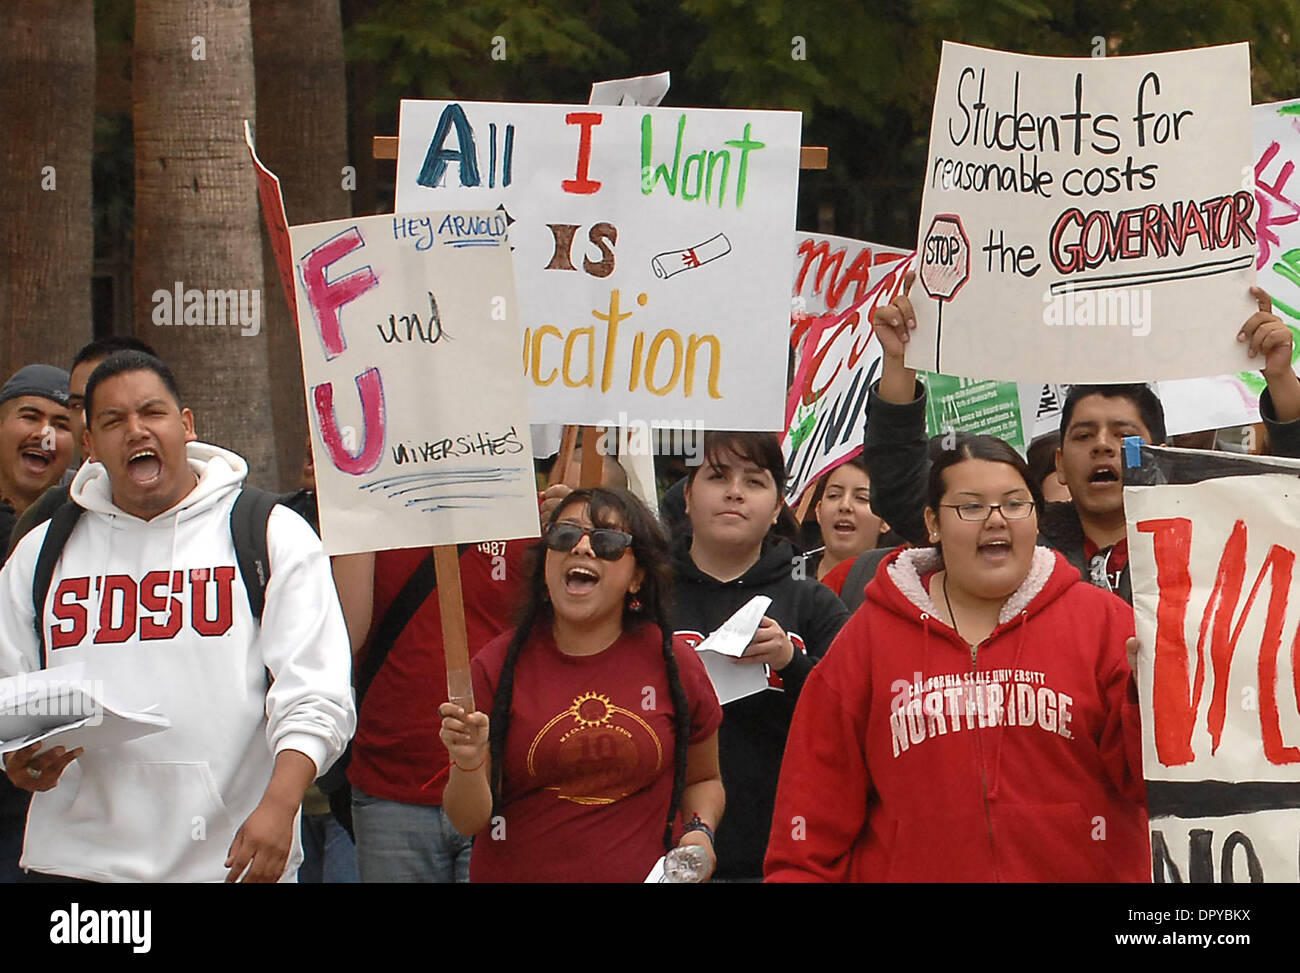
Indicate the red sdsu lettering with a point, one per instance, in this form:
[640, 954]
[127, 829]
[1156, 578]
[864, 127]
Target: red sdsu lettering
[146, 610]
[79, 589]
[153, 602]
[199, 602]
[113, 585]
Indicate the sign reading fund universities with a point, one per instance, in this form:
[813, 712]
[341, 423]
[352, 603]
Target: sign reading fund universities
[1214, 572]
[1086, 219]
[419, 427]
[651, 249]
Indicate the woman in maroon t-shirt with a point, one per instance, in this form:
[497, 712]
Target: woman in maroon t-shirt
[603, 733]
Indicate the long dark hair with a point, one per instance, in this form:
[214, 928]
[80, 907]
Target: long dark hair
[763, 449]
[616, 508]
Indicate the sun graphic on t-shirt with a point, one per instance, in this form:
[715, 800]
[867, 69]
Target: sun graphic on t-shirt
[591, 709]
[595, 751]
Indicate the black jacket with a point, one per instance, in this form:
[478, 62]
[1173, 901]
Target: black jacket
[752, 737]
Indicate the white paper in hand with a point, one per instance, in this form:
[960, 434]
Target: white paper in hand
[732, 680]
[58, 707]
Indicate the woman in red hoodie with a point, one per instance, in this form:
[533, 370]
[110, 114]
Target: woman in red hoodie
[977, 719]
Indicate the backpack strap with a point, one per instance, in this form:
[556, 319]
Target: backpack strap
[56, 537]
[418, 588]
[248, 522]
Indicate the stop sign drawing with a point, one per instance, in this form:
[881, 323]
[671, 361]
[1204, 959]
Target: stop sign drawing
[945, 266]
[945, 259]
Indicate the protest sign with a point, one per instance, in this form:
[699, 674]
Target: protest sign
[648, 90]
[1212, 567]
[277, 224]
[419, 427]
[1040, 407]
[1086, 220]
[1233, 400]
[650, 249]
[969, 405]
[838, 282]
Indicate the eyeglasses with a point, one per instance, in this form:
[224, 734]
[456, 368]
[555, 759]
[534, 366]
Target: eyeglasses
[979, 512]
[606, 544]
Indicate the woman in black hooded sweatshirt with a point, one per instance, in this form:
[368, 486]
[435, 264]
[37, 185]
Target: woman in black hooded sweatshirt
[735, 551]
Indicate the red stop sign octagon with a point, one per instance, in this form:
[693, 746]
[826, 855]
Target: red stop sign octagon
[945, 257]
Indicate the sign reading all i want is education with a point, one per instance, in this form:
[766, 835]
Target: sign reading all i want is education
[419, 426]
[651, 249]
[1086, 219]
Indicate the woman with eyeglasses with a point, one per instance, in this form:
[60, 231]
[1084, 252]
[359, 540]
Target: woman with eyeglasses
[601, 751]
[738, 548]
[977, 718]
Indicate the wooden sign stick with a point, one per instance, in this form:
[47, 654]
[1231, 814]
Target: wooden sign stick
[593, 464]
[568, 442]
[805, 503]
[810, 156]
[455, 642]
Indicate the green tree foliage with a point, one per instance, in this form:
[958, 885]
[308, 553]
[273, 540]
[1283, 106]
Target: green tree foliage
[867, 85]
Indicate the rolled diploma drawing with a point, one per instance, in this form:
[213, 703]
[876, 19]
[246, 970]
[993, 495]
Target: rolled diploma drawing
[675, 261]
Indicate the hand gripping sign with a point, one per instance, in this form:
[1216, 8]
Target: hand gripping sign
[945, 265]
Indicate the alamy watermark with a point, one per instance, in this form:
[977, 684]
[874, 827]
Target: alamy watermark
[635, 437]
[1128, 307]
[212, 306]
[33, 695]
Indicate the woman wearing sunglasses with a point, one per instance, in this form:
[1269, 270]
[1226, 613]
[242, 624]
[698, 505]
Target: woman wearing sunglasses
[737, 549]
[976, 719]
[601, 752]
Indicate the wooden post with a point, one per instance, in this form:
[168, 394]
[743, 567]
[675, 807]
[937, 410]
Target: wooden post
[455, 641]
[593, 464]
[568, 442]
[810, 156]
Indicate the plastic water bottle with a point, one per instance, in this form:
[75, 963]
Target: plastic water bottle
[687, 863]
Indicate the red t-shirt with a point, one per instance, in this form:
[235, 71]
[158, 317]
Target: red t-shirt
[396, 750]
[589, 758]
[1105, 565]
[837, 575]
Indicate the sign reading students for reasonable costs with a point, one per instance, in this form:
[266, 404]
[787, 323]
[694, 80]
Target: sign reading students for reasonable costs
[1086, 219]
[651, 249]
[1214, 568]
[419, 425]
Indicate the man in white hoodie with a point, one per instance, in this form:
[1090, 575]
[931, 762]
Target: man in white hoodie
[147, 596]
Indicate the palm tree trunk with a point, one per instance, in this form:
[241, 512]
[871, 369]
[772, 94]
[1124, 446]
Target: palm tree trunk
[196, 218]
[47, 101]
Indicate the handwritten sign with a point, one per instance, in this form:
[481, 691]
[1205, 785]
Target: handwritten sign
[650, 248]
[985, 408]
[1108, 209]
[419, 430]
[838, 283]
[1213, 566]
[277, 224]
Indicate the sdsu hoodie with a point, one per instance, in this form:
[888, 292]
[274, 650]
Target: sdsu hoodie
[752, 736]
[915, 758]
[157, 612]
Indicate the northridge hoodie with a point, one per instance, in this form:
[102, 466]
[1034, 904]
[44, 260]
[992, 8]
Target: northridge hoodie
[157, 612]
[915, 758]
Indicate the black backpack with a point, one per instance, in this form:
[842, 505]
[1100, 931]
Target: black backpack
[248, 518]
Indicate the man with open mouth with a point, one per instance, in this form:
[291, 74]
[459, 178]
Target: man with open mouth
[146, 595]
[35, 440]
[1090, 529]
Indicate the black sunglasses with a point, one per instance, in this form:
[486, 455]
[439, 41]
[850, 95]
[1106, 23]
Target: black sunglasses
[606, 544]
